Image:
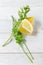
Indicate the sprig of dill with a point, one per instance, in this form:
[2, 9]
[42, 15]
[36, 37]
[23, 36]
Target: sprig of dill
[16, 33]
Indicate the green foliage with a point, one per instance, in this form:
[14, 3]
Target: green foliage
[22, 15]
[23, 12]
[16, 33]
[18, 36]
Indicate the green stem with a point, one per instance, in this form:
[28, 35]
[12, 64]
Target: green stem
[6, 42]
[26, 54]
[29, 51]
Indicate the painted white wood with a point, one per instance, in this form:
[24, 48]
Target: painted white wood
[12, 3]
[20, 59]
[11, 54]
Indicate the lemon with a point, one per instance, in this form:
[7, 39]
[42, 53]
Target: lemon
[31, 19]
[25, 27]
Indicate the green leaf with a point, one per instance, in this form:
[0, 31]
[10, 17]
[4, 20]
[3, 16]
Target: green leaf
[23, 12]
[14, 21]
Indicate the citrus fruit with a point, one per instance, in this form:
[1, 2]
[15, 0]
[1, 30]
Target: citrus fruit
[31, 19]
[25, 27]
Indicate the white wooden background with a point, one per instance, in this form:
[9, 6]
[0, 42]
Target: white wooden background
[12, 54]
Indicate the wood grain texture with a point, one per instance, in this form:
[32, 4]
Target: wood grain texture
[12, 53]
[20, 59]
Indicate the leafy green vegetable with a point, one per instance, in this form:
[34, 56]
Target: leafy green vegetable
[16, 33]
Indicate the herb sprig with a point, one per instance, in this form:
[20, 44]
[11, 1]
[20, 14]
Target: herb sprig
[17, 34]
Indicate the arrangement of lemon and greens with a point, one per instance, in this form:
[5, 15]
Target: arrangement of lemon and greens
[24, 25]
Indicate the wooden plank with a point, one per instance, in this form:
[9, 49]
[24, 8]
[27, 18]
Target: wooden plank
[9, 59]
[12, 3]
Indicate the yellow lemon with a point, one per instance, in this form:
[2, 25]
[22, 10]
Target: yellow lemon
[31, 19]
[25, 27]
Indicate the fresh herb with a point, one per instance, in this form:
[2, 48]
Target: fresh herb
[16, 33]
[23, 12]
